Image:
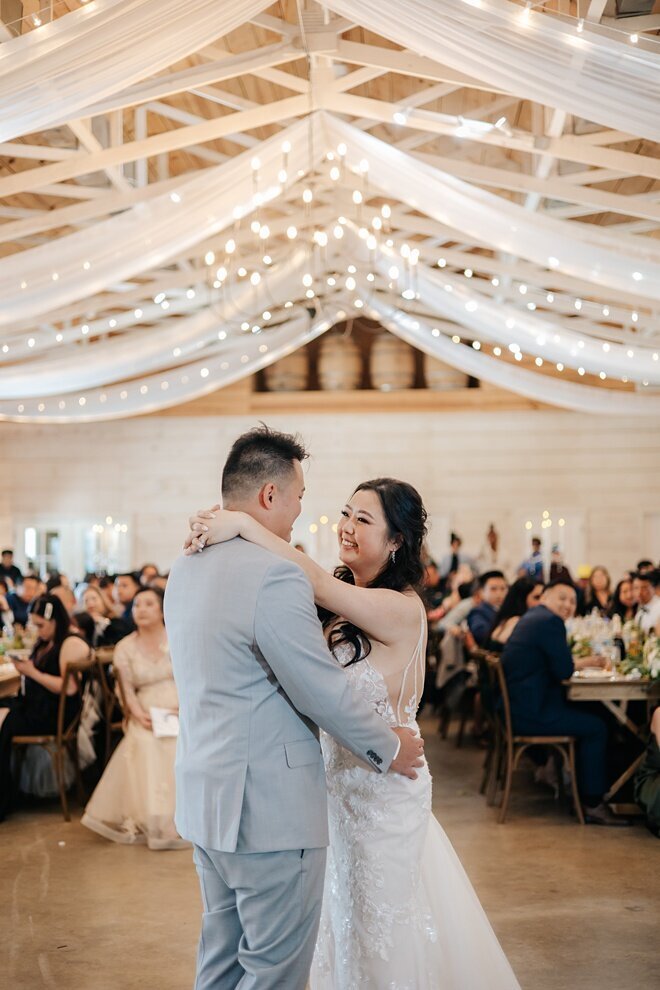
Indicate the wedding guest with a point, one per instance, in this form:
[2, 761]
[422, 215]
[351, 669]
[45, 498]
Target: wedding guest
[20, 599]
[536, 659]
[36, 711]
[647, 780]
[147, 574]
[108, 629]
[160, 581]
[644, 567]
[58, 585]
[598, 594]
[480, 620]
[521, 596]
[451, 561]
[645, 587]
[558, 569]
[134, 800]
[491, 557]
[532, 566]
[125, 590]
[623, 601]
[432, 588]
[463, 576]
[8, 569]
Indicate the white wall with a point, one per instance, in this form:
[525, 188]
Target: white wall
[602, 475]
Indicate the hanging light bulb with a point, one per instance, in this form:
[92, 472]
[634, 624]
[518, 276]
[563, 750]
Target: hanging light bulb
[307, 196]
[230, 246]
[357, 197]
[291, 232]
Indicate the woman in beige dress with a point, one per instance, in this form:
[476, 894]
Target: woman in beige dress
[134, 800]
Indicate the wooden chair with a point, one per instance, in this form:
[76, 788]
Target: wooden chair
[509, 747]
[65, 739]
[109, 699]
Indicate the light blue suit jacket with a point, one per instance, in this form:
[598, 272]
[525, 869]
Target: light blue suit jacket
[255, 680]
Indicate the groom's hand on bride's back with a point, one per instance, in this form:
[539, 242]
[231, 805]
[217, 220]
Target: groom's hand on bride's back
[410, 753]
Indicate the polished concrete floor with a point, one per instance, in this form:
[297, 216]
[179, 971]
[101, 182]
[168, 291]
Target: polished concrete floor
[575, 908]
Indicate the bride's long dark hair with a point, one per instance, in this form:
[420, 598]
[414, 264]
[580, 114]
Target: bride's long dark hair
[406, 517]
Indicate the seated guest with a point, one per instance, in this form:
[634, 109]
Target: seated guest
[19, 600]
[147, 574]
[598, 594]
[108, 630]
[160, 581]
[134, 800]
[35, 712]
[126, 588]
[463, 576]
[521, 596]
[623, 601]
[58, 585]
[480, 620]
[647, 780]
[8, 569]
[6, 614]
[644, 567]
[432, 590]
[646, 588]
[558, 569]
[536, 659]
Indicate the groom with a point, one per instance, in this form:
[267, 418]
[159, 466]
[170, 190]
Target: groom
[255, 681]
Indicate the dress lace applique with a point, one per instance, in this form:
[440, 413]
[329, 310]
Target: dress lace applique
[398, 911]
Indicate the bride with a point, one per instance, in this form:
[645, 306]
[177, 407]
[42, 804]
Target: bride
[399, 911]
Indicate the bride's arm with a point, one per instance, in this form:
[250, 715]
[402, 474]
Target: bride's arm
[382, 614]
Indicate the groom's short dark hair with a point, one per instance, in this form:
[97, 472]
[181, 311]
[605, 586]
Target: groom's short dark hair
[259, 456]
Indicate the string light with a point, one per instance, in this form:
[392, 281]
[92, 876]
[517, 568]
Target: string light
[291, 232]
[307, 196]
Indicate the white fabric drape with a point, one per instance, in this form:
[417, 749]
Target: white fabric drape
[247, 355]
[569, 395]
[78, 265]
[528, 54]
[138, 352]
[55, 72]
[581, 250]
[455, 298]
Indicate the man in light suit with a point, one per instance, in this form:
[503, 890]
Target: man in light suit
[255, 681]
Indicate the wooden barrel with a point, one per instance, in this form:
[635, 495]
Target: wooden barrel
[339, 364]
[392, 364]
[288, 375]
[440, 376]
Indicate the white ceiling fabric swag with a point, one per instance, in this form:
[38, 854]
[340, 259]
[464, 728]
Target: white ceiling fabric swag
[55, 72]
[528, 54]
[138, 352]
[190, 381]
[540, 388]
[581, 250]
[455, 298]
[78, 265]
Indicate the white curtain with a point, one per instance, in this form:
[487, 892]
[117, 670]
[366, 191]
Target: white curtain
[455, 298]
[540, 388]
[170, 388]
[78, 265]
[529, 54]
[581, 250]
[173, 341]
[55, 72]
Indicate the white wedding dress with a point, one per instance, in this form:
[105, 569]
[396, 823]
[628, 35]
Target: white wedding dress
[399, 912]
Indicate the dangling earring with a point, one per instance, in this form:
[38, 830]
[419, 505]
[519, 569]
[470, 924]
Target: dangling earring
[393, 556]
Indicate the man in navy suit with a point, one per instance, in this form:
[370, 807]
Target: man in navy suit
[536, 659]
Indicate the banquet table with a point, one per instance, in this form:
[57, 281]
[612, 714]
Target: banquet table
[615, 691]
[10, 680]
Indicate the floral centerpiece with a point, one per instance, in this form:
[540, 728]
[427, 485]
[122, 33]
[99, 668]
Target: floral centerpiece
[644, 661]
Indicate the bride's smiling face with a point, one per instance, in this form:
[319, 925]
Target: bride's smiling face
[363, 534]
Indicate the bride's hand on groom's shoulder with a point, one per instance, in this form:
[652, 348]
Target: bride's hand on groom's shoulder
[208, 526]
